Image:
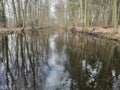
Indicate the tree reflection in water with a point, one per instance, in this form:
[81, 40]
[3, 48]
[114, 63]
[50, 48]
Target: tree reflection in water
[54, 61]
[91, 62]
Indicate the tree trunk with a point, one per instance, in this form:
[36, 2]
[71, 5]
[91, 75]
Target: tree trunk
[114, 16]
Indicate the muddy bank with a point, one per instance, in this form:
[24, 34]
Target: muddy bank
[6, 31]
[101, 32]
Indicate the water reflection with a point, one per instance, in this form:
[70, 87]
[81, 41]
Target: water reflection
[91, 62]
[58, 61]
[56, 72]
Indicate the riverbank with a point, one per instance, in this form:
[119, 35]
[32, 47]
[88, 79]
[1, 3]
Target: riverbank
[102, 32]
[6, 31]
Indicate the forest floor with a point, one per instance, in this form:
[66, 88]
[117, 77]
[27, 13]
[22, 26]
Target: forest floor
[10, 30]
[6, 31]
[102, 32]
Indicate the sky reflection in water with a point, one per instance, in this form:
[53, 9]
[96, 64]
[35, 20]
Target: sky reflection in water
[58, 61]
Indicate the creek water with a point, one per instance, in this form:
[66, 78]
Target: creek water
[58, 60]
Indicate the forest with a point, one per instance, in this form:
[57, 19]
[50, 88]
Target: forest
[43, 13]
[59, 44]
